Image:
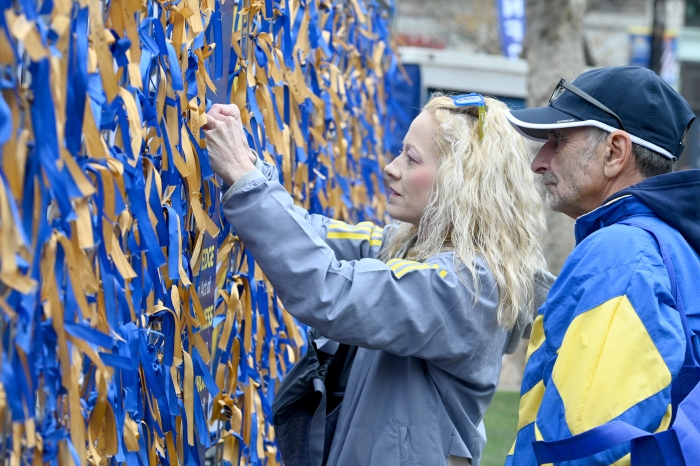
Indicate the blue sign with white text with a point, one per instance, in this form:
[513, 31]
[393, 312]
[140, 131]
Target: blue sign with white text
[511, 20]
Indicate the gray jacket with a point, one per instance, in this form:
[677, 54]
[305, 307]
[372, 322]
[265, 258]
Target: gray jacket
[430, 349]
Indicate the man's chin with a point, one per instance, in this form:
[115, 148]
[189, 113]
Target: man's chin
[553, 202]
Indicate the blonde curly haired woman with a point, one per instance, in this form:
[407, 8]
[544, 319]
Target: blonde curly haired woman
[433, 301]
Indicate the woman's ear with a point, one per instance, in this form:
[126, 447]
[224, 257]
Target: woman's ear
[618, 156]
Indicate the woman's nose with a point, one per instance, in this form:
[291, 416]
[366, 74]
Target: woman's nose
[391, 171]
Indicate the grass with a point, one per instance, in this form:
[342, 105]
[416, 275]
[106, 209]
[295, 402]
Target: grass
[501, 421]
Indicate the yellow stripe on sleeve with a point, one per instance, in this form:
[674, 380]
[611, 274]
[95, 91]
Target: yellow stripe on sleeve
[367, 227]
[347, 235]
[348, 228]
[405, 270]
[375, 242]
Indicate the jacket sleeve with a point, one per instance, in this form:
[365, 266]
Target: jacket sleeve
[403, 307]
[348, 242]
[605, 347]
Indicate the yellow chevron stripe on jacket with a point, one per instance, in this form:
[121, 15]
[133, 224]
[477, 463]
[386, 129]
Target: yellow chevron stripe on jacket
[401, 267]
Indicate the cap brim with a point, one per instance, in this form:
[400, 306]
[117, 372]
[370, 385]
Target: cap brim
[534, 123]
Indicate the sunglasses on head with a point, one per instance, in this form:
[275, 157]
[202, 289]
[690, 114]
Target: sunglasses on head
[473, 100]
[563, 85]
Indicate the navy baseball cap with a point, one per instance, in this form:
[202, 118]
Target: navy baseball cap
[624, 97]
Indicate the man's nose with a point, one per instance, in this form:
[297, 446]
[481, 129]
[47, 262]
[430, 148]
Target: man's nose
[541, 162]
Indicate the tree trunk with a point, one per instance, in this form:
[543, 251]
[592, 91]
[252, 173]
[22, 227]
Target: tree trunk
[553, 45]
[554, 49]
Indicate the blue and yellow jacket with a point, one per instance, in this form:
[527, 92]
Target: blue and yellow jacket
[608, 342]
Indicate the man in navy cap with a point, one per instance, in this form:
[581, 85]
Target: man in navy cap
[609, 341]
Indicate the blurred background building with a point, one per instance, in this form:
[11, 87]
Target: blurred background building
[516, 50]
[457, 45]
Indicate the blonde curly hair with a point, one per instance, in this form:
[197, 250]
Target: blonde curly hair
[484, 202]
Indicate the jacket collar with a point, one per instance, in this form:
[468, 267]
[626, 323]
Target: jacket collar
[403, 252]
[608, 214]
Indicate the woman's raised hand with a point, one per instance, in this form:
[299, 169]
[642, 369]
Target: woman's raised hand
[229, 153]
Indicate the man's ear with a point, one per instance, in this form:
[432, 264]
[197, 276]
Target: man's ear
[618, 157]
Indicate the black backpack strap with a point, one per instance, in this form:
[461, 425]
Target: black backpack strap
[338, 374]
[331, 388]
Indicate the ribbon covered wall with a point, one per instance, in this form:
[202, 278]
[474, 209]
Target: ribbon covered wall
[135, 327]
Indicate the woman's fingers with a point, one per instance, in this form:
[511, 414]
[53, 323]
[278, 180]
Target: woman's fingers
[226, 121]
[229, 154]
[230, 110]
[214, 119]
[221, 114]
[218, 116]
[210, 124]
